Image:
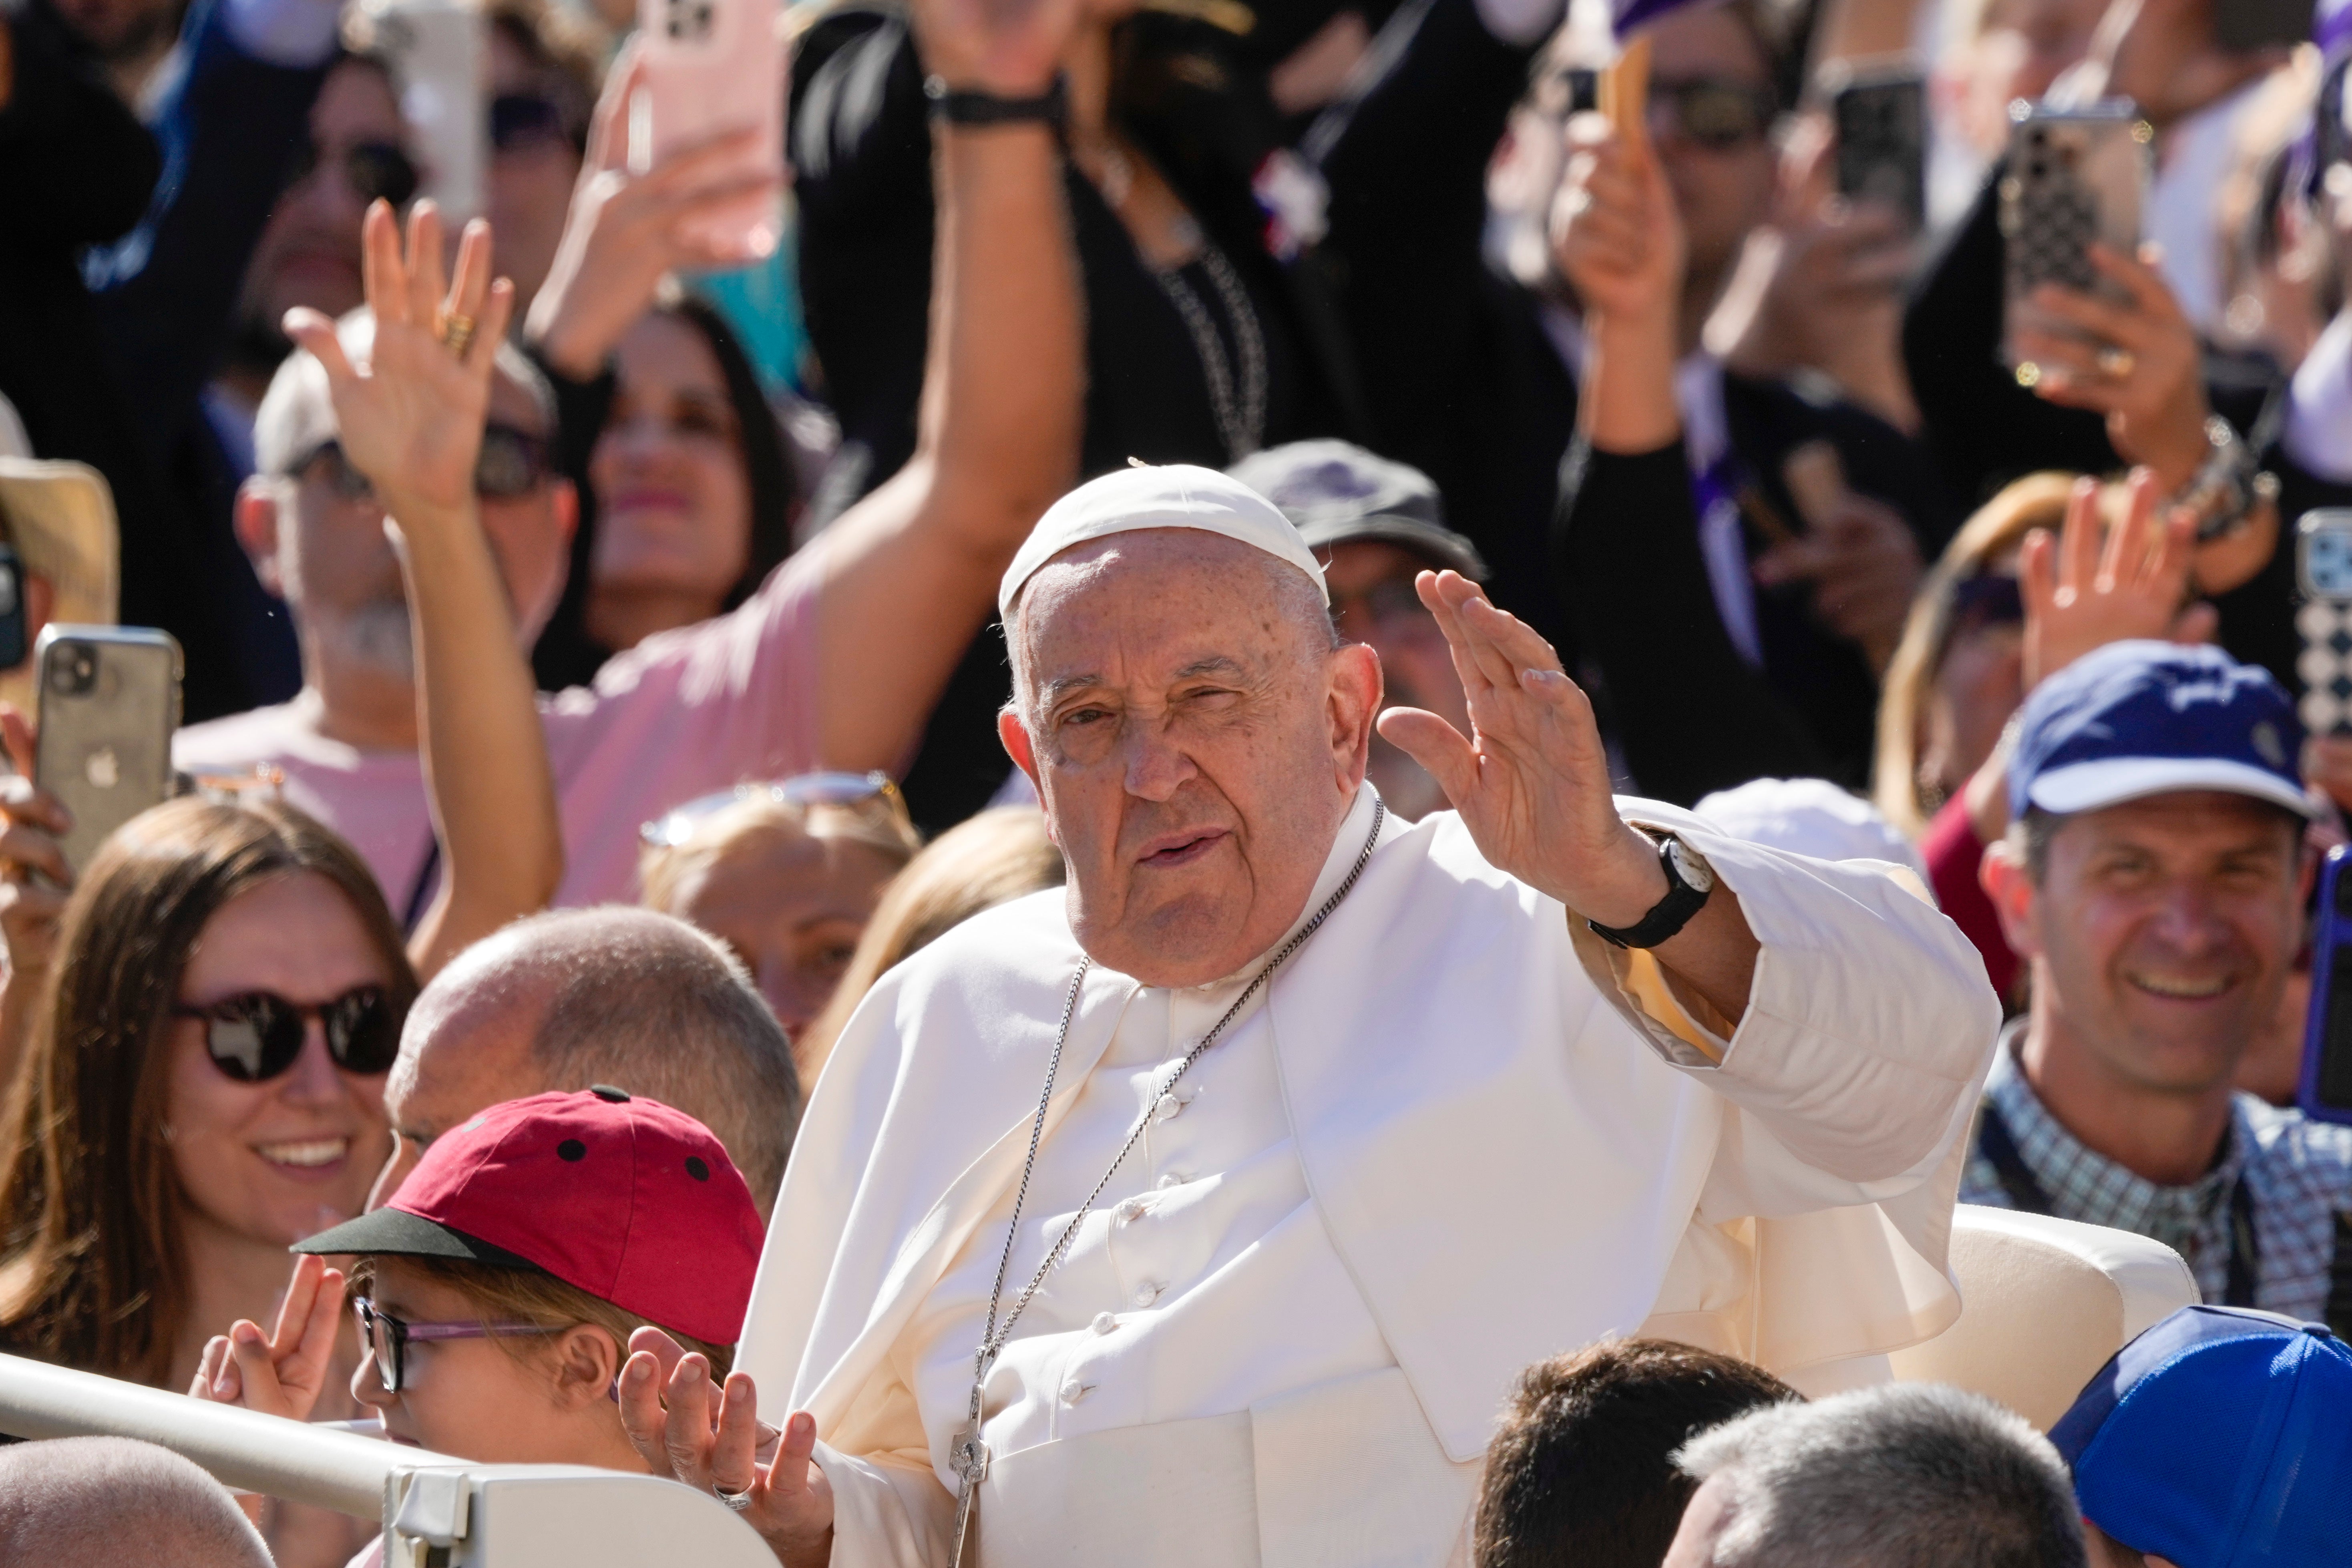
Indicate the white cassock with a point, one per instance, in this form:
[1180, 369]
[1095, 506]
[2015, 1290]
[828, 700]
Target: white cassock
[1457, 1135]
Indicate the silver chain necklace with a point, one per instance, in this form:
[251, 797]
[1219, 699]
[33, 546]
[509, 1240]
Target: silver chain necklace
[1241, 424]
[969, 1454]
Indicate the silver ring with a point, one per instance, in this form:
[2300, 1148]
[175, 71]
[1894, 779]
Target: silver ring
[738, 1501]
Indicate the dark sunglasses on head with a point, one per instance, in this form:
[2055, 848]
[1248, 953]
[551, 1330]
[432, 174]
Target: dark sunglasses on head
[256, 1036]
[375, 169]
[513, 464]
[1717, 114]
[522, 121]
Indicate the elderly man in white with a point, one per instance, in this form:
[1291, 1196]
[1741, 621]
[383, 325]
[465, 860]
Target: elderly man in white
[1227, 1192]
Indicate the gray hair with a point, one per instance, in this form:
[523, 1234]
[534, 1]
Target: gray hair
[127, 1504]
[1900, 1476]
[297, 414]
[650, 1005]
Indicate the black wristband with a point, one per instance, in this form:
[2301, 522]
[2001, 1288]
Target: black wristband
[1666, 917]
[959, 107]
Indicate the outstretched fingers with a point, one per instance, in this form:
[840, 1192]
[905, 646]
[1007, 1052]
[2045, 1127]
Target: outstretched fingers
[428, 282]
[641, 1411]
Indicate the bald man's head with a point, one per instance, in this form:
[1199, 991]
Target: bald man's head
[111, 1503]
[579, 998]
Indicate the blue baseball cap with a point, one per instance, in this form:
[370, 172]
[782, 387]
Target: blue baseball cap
[2137, 719]
[2220, 1438]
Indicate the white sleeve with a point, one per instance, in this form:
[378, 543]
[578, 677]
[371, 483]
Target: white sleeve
[885, 1515]
[2318, 434]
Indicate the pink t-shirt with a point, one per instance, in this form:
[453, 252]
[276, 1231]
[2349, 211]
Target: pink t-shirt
[682, 714]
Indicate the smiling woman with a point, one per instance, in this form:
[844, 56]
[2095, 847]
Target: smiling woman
[203, 1086]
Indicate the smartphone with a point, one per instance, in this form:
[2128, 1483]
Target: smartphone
[713, 66]
[2075, 176]
[2245, 26]
[110, 701]
[1880, 111]
[2323, 569]
[440, 56]
[2324, 1090]
[12, 608]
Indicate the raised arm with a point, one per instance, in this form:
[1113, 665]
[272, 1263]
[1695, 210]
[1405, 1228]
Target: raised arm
[411, 420]
[910, 572]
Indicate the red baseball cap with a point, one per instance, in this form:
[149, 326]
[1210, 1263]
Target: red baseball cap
[629, 1200]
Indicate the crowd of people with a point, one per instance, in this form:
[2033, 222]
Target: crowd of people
[1554, 725]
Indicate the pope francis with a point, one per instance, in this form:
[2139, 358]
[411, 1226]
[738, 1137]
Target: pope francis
[1205, 1212]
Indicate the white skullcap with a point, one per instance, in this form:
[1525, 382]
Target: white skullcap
[1176, 495]
[1809, 816]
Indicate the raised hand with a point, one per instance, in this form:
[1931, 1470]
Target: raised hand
[2081, 594]
[284, 1372]
[410, 416]
[1616, 235]
[1858, 553]
[1531, 780]
[1012, 48]
[687, 1428]
[2145, 369]
[624, 231]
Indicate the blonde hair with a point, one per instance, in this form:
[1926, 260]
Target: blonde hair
[997, 856]
[1997, 528]
[664, 869]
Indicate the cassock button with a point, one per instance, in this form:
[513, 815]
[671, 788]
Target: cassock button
[1131, 1210]
[1103, 1322]
[1147, 1293]
[1074, 1392]
[1170, 1180]
[1166, 1107]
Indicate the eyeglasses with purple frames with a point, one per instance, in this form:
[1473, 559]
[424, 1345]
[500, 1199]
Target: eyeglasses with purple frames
[388, 1337]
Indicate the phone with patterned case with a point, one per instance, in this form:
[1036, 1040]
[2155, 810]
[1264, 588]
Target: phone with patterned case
[2075, 176]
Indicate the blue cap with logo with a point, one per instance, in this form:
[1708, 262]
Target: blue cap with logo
[2137, 719]
[2220, 1438]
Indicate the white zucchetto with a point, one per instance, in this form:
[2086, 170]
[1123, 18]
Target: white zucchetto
[1174, 495]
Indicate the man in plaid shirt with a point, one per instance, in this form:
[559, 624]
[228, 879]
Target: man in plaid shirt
[2155, 878]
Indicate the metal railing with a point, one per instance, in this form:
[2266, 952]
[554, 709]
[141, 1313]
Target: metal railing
[433, 1508]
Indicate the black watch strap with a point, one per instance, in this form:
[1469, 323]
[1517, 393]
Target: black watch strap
[1666, 917]
[959, 107]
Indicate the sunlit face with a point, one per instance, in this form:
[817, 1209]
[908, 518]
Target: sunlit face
[1373, 601]
[673, 504]
[791, 905]
[285, 1158]
[309, 252]
[1195, 743]
[2163, 933]
[466, 1048]
[477, 1399]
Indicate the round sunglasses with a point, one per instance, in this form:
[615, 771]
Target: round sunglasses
[256, 1036]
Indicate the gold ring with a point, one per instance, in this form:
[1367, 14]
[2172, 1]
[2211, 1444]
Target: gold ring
[2118, 364]
[457, 332]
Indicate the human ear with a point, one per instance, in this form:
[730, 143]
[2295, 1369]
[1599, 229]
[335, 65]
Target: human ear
[1351, 700]
[2003, 877]
[1024, 752]
[587, 1359]
[255, 520]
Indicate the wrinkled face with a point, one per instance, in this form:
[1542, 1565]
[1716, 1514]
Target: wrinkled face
[1194, 741]
[1373, 601]
[792, 906]
[309, 252]
[285, 1158]
[336, 567]
[1720, 191]
[674, 506]
[532, 166]
[2164, 930]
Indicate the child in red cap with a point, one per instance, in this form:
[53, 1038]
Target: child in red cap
[498, 1289]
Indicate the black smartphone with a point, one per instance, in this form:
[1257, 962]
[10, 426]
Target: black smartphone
[12, 608]
[2245, 26]
[2325, 1092]
[1881, 115]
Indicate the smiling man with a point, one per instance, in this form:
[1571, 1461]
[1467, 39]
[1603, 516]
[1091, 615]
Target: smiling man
[1264, 1157]
[2156, 883]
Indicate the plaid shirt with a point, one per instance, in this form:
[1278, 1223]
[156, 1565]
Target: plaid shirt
[2298, 1174]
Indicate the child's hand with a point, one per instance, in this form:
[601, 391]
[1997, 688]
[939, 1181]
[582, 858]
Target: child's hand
[284, 1373]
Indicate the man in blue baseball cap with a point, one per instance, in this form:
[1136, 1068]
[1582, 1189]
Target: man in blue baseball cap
[2154, 878]
[2218, 1439]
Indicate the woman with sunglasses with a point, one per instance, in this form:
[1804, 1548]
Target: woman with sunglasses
[786, 875]
[204, 1085]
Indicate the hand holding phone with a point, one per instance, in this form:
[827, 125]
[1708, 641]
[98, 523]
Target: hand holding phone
[708, 67]
[2076, 178]
[1880, 112]
[109, 702]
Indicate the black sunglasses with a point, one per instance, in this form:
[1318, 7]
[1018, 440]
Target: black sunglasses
[375, 169]
[521, 120]
[254, 1036]
[1717, 114]
[511, 465]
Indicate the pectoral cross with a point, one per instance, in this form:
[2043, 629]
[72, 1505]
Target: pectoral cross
[968, 1457]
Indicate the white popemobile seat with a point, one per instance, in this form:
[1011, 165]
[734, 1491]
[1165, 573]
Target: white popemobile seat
[2045, 1302]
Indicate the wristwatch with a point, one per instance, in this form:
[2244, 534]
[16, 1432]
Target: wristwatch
[1689, 880]
[2227, 486]
[961, 105]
